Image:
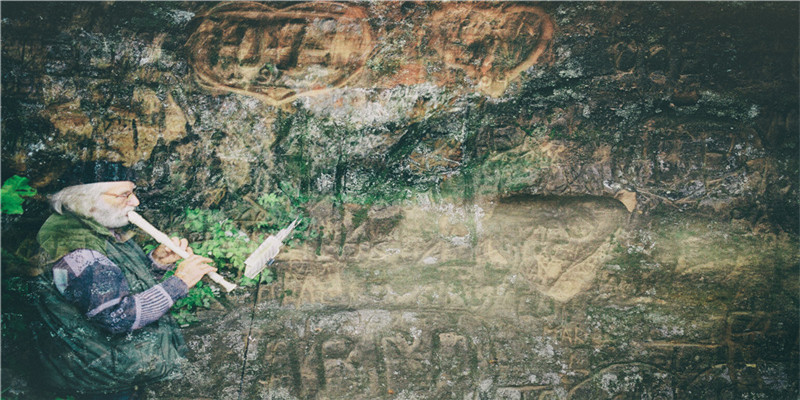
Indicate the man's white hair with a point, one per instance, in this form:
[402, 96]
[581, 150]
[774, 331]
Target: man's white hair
[85, 200]
[80, 199]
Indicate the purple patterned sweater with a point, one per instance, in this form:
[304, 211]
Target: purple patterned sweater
[93, 283]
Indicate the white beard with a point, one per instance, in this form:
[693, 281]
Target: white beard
[110, 216]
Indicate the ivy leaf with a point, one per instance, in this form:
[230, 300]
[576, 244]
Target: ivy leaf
[12, 193]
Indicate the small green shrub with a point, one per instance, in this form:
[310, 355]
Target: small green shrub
[222, 241]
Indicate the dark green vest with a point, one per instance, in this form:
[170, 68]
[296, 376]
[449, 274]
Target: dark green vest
[77, 355]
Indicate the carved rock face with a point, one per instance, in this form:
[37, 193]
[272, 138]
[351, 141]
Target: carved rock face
[276, 55]
[552, 246]
[557, 244]
[492, 45]
[427, 280]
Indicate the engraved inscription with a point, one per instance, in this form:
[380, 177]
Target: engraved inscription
[492, 44]
[278, 54]
[306, 49]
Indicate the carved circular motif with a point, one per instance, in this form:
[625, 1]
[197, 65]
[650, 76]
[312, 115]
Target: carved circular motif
[492, 43]
[278, 54]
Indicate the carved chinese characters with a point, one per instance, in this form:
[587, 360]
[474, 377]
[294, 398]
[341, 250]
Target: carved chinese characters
[278, 54]
[275, 55]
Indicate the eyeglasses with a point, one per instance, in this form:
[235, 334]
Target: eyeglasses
[125, 195]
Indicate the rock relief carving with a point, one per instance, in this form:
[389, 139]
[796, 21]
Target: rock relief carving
[491, 43]
[405, 360]
[278, 54]
[556, 245]
[625, 380]
[307, 49]
[315, 283]
[453, 258]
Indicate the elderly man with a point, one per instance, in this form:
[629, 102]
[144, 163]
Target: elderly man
[103, 309]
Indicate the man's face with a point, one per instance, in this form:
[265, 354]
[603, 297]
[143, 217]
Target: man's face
[114, 204]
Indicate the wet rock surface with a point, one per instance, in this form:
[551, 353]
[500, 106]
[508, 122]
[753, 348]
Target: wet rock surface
[512, 200]
[486, 318]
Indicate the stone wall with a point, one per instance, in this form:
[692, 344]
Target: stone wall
[693, 107]
[554, 298]
[513, 200]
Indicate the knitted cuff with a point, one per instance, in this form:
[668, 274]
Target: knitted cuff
[175, 287]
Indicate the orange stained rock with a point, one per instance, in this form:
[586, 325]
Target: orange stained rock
[278, 54]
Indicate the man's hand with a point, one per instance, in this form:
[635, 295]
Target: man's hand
[164, 256]
[192, 269]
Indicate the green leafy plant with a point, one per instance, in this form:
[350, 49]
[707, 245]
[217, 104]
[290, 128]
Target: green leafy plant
[14, 191]
[200, 296]
[15, 263]
[265, 277]
[304, 229]
[221, 240]
[272, 212]
[214, 235]
[279, 211]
